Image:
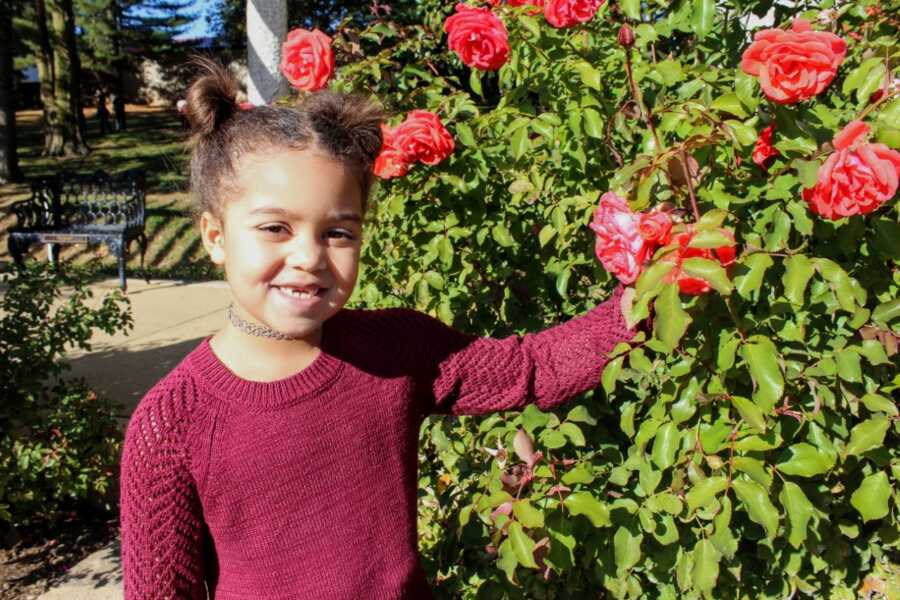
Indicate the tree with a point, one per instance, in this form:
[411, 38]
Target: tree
[9, 159]
[59, 72]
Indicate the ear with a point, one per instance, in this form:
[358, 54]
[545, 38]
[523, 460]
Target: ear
[212, 231]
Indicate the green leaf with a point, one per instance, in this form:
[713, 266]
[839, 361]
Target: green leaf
[729, 103]
[710, 238]
[856, 77]
[611, 374]
[590, 76]
[710, 271]
[703, 492]
[759, 507]
[652, 277]
[745, 87]
[580, 414]
[848, 366]
[798, 270]
[744, 135]
[631, 8]
[805, 460]
[750, 413]
[593, 123]
[874, 352]
[507, 560]
[799, 511]
[871, 498]
[750, 281]
[886, 312]
[522, 545]
[706, 565]
[867, 435]
[761, 357]
[573, 432]
[665, 445]
[465, 135]
[627, 546]
[671, 320]
[475, 82]
[723, 539]
[873, 80]
[755, 468]
[502, 235]
[583, 503]
[546, 234]
[520, 143]
[562, 282]
[876, 403]
[435, 280]
[531, 24]
[527, 514]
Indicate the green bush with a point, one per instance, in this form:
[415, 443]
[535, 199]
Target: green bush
[59, 441]
[748, 448]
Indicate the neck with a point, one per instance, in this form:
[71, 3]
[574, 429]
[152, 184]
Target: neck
[248, 345]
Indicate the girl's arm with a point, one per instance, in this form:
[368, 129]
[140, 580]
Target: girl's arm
[471, 375]
[161, 517]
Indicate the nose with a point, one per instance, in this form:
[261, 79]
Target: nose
[306, 252]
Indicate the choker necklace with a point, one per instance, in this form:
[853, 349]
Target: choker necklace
[254, 329]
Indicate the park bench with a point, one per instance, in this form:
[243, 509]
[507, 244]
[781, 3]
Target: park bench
[69, 208]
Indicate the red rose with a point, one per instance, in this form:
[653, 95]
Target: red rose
[423, 138]
[619, 246]
[793, 65]
[857, 178]
[478, 36]
[389, 162]
[655, 227]
[692, 285]
[764, 150]
[307, 60]
[566, 13]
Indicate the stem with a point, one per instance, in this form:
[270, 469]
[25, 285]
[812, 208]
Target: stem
[690, 185]
[636, 94]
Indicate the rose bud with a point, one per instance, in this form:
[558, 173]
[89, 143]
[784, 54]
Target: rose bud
[626, 37]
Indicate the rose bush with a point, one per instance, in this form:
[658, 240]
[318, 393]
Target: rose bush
[746, 444]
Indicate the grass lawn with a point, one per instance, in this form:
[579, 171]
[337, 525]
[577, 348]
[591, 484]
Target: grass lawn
[153, 142]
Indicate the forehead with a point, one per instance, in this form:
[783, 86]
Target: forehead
[302, 182]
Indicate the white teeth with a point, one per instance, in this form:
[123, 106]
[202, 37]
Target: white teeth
[302, 294]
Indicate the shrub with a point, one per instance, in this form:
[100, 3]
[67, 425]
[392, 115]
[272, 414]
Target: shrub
[748, 444]
[59, 441]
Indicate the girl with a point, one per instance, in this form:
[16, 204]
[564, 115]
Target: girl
[278, 459]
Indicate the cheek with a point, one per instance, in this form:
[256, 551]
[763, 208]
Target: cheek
[346, 265]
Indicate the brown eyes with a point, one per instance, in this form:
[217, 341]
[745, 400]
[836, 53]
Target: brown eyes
[332, 234]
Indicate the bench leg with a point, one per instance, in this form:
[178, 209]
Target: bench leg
[119, 250]
[51, 254]
[16, 250]
[142, 242]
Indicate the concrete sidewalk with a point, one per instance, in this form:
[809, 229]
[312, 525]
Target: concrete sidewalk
[170, 319]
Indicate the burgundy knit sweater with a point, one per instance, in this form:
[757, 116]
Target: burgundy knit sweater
[305, 487]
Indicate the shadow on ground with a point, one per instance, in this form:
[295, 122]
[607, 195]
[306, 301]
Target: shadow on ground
[126, 374]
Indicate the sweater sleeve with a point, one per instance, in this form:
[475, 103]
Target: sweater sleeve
[469, 375]
[161, 516]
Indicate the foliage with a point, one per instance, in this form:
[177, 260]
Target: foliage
[748, 448]
[59, 442]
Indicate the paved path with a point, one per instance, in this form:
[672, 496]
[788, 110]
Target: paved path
[170, 319]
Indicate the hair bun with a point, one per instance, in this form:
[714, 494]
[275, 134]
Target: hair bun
[211, 99]
[347, 125]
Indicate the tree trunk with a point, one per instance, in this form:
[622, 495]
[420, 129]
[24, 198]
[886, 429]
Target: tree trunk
[9, 157]
[65, 136]
[45, 74]
[266, 30]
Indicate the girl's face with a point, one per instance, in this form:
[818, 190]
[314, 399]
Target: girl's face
[290, 241]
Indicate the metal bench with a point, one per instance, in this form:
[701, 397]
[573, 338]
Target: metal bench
[69, 208]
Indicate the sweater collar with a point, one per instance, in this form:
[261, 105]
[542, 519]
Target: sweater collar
[261, 396]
